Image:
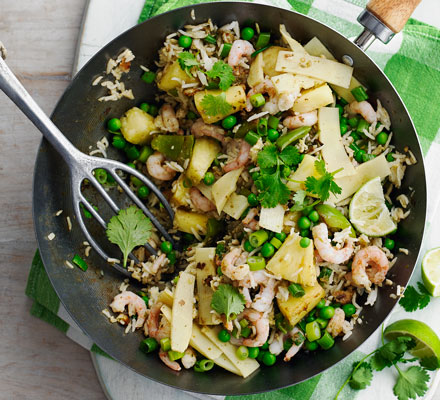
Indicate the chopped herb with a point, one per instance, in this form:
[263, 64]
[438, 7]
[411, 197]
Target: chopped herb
[412, 300]
[216, 105]
[79, 262]
[361, 377]
[325, 185]
[186, 61]
[128, 229]
[227, 300]
[224, 73]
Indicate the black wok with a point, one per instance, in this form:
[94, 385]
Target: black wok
[81, 117]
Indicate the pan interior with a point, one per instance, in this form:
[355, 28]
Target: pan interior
[82, 118]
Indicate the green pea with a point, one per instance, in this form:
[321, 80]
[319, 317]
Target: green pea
[143, 192]
[209, 178]
[390, 157]
[304, 223]
[307, 210]
[118, 142]
[148, 76]
[229, 122]
[154, 110]
[304, 242]
[322, 322]
[172, 257]
[114, 124]
[340, 109]
[382, 138]
[166, 247]
[253, 352]
[265, 346]
[286, 171]
[144, 107]
[321, 304]
[267, 250]
[224, 336]
[273, 135]
[247, 246]
[349, 309]
[304, 233]
[358, 155]
[310, 318]
[242, 353]
[327, 312]
[313, 216]
[311, 346]
[269, 359]
[344, 128]
[389, 243]
[355, 136]
[247, 33]
[185, 41]
[252, 200]
[281, 236]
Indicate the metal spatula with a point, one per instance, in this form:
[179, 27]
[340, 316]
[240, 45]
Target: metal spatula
[81, 165]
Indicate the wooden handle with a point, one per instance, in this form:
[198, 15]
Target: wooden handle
[393, 13]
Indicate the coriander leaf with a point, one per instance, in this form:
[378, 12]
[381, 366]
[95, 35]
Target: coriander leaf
[298, 199]
[290, 156]
[325, 185]
[361, 378]
[267, 157]
[224, 72]
[411, 383]
[275, 191]
[215, 105]
[391, 352]
[128, 229]
[413, 300]
[227, 300]
[186, 61]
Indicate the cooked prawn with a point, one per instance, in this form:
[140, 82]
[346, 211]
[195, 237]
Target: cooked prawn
[249, 221]
[365, 109]
[199, 129]
[263, 300]
[157, 169]
[242, 158]
[374, 258]
[174, 365]
[199, 201]
[336, 324]
[154, 319]
[261, 323]
[239, 49]
[254, 279]
[295, 347]
[325, 248]
[232, 271]
[286, 101]
[264, 87]
[304, 119]
[169, 119]
[133, 301]
[189, 358]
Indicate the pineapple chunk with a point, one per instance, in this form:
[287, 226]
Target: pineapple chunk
[235, 96]
[236, 205]
[180, 195]
[256, 74]
[293, 44]
[294, 263]
[204, 152]
[290, 83]
[173, 77]
[137, 126]
[204, 259]
[311, 99]
[224, 187]
[188, 222]
[296, 308]
[270, 60]
[305, 169]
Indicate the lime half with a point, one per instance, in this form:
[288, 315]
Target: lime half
[427, 342]
[431, 271]
[368, 212]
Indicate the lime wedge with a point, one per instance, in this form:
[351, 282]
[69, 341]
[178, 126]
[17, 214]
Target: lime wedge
[368, 212]
[427, 342]
[431, 271]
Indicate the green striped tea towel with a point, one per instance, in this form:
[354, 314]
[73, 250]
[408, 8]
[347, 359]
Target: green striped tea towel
[412, 62]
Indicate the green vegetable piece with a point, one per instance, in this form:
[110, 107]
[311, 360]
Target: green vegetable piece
[262, 127]
[252, 138]
[148, 76]
[313, 216]
[269, 359]
[245, 332]
[296, 290]
[128, 229]
[359, 93]
[225, 49]
[101, 175]
[343, 128]
[143, 192]
[389, 243]
[321, 304]
[119, 142]
[265, 346]
[209, 178]
[114, 124]
[175, 355]
[390, 157]
[256, 263]
[253, 352]
[304, 223]
[273, 135]
[213, 228]
[166, 247]
[247, 246]
[77, 260]
[276, 242]
[333, 218]
[358, 155]
[185, 41]
[154, 110]
[304, 233]
[327, 312]
[165, 344]
[148, 345]
[132, 152]
[263, 40]
[242, 352]
[229, 122]
[144, 107]
[224, 336]
[353, 122]
[313, 332]
[256, 52]
[227, 300]
[311, 346]
[340, 109]
[304, 242]
[247, 33]
[146, 151]
[326, 341]
[267, 250]
[355, 136]
[382, 138]
[322, 322]
[273, 122]
[169, 145]
[258, 238]
[205, 365]
[191, 115]
[349, 309]
[367, 157]
[311, 317]
[252, 200]
[210, 39]
[292, 136]
[245, 127]
[257, 100]
[362, 124]
[281, 236]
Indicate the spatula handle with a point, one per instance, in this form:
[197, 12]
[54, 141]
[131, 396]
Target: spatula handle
[393, 13]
